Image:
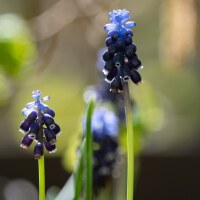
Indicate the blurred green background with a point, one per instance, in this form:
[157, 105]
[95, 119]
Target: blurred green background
[51, 45]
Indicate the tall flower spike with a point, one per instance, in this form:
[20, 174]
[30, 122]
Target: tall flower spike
[121, 61]
[39, 126]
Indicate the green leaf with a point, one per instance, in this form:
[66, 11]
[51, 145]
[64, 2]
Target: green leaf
[85, 154]
[16, 44]
[79, 172]
[88, 152]
[73, 187]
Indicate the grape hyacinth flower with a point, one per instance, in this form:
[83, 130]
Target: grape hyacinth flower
[104, 122]
[39, 126]
[122, 64]
[121, 60]
[105, 130]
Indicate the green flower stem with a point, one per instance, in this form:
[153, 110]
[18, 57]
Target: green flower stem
[41, 170]
[130, 142]
[88, 151]
[41, 167]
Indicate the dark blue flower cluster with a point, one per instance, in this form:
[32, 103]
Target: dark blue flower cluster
[39, 126]
[105, 129]
[121, 61]
[104, 160]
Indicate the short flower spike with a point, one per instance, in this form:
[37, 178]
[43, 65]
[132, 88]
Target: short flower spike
[39, 125]
[105, 130]
[121, 61]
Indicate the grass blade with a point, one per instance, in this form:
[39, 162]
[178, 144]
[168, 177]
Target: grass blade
[88, 152]
[85, 155]
[79, 171]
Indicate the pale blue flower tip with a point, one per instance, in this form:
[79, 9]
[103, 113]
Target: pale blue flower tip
[109, 27]
[30, 105]
[36, 94]
[46, 98]
[129, 24]
[119, 16]
[27, 111]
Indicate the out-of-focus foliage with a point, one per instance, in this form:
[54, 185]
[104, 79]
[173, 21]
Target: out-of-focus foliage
[17, 50]
[4, 90]
[148, 116]
[16, 45]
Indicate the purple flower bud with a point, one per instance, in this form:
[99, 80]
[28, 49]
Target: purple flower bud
[116, 85]
[130, 50]
[120, 43]
[111, 75]
[109, 41]
[25, 125]
[48, 120]
[34, 130]
[26, 142]
[118, 59]
[109, 65]
[113, 34]
[51, 148]
[32, 116]
[55, 128]
[130, 32]
[50, 112]
[126, 73]
[135, 77]
[112, 49]
[50, 136]
[134, 63]
[106, 56]
[38, 150]
[128, 40]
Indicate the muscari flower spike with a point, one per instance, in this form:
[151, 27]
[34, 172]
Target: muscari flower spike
[121, 60]
[39, 126]
[105, 130]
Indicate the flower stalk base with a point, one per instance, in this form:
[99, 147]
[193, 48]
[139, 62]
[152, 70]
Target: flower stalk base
[130, 142]
[41, 170]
